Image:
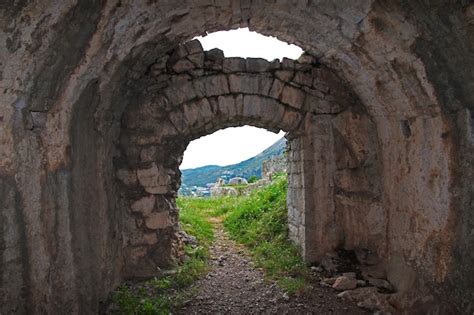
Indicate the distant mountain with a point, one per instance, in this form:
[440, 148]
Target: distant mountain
[210, 173]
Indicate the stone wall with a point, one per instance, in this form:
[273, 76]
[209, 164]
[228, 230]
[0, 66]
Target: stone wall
[73, 71]
[191, 93]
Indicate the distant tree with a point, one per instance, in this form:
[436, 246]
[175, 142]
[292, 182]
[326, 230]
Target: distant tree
[252, 179]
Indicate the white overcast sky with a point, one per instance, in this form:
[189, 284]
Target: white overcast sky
[233, 145]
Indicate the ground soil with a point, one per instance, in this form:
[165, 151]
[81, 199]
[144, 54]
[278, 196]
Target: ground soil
[234, 286]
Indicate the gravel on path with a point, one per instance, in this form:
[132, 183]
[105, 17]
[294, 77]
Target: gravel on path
[234, 286]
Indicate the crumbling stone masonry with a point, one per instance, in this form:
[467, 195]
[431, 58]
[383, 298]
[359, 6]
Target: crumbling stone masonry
[99, 99]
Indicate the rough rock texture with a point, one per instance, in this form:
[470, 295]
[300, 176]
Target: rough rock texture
[392, 176]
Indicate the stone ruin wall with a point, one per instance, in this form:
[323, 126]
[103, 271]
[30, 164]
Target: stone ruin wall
[189, 93]
[70, 75]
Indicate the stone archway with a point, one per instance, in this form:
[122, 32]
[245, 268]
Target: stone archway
[191, 93]
[71, 69]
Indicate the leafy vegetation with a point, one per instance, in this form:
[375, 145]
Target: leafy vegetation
[252, 179]
[260, 222]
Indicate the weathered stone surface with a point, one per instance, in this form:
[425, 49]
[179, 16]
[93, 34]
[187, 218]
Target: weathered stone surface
[276, 89]
[158, 220]
[227, 106]
[292, 97]
[256, 65]
[178, 94]
[223, 191]
[144, 205]
[183, 65]
[193, 47]
[128, 177]
[369, 298]
[87, 66]
[238, 181]
[154, 179]
[302, 78]
[284, 75]
[380, 283]
[343, 283]
[234, 64]
[249, 84]
[211, 85]
[215, 54]
[198, 114]
[197, 59]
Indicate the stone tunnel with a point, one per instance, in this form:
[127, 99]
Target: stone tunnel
[99, 100]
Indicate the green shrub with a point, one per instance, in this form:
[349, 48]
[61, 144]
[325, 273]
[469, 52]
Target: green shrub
[252, 179]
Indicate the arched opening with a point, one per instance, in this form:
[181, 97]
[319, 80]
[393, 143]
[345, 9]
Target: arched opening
[73, 126]
[226, 154]
[197, 98]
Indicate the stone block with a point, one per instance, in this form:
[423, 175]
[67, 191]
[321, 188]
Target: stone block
[263, 110]
[345, 283]
[250, 84]
[217, 85]
[227, 106]
[316, 105]
[150, 238]
[198, 114]
[196, 73]
[239, 104]
[155, 180]
[302, 78]
[284, 75]
[290, 120]
[276, 89]
[274, 65]
[178, 94]
[159, 65]
[180, 79]
[183, 65]
[287, 64]
[179, 121]
[193, 47]
[233, 64]
[306, 58]
[166, 129]
[257, 64]
[148, 154]
[158, 220]
[144, 205]
[179, 52]
[211, 85]
[215, 55]
[292, 96]
[197, 59]
[252, 107]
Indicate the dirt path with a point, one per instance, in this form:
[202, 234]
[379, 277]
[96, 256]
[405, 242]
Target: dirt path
[235, 286]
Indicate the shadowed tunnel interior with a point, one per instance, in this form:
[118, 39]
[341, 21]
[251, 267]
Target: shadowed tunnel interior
[99, 100]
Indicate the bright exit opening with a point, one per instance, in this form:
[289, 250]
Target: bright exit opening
[232, 145]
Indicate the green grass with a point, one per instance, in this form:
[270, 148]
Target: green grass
[259, 221]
